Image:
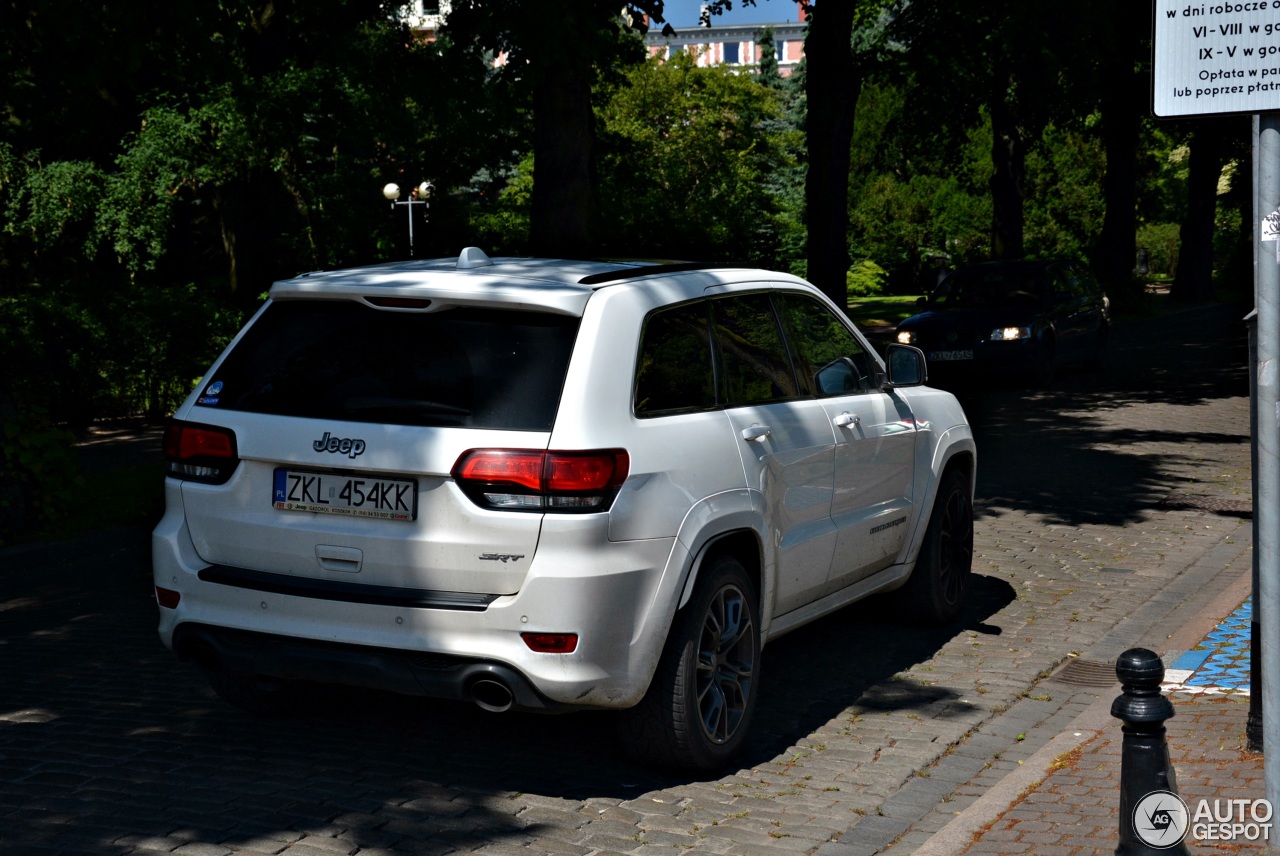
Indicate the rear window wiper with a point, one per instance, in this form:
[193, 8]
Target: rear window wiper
[363, 404]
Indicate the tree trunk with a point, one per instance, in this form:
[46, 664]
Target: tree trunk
[1119, 239]
[563, 207]
[1008, 174]
[832, 84]
[1123, 102]
[1194, 278]
[240, 241]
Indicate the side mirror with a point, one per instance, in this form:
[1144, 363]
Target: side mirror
[906, 365]
[922, 301]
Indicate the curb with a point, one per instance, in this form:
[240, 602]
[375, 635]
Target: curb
[959, 834]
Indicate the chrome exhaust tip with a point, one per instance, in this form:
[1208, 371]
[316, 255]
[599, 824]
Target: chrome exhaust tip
[491, 695]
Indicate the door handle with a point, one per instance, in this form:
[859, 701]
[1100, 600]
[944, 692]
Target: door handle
[844, 420]
[756, 433]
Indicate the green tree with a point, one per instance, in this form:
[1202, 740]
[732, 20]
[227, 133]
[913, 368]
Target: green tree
[1027, 65]
[557, 50]
[915, 205]
[767, 69]
[1125, 40]
[688, 157]
[194, 153]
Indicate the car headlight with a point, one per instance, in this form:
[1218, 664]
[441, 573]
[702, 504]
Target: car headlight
[905, 337]
[1010, 334]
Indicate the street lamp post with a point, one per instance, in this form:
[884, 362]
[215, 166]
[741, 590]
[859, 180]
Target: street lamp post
[420, 195]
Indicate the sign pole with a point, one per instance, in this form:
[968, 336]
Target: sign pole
[1266, 516]
[1213, 58]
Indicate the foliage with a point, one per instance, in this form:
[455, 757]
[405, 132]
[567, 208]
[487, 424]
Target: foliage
[502, 223]
[192, 153]
[231, 147]
[687, 154]
[914, 205]
[1161, 242]
[866, 279]
[37, 457]
[1064, 207]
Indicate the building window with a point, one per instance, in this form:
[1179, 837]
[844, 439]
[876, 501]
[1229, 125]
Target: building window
[780, 49]
[731, 53]
[673, 51]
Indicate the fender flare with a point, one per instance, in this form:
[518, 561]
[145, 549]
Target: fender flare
[946, 452]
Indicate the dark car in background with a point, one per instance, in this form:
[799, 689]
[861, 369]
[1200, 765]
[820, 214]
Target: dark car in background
[1029, 318]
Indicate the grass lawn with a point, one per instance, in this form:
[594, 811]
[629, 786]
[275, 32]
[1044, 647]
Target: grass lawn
[882, 311]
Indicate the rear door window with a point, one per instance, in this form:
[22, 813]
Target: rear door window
[338, 359]
[673, 373]
[753, 361]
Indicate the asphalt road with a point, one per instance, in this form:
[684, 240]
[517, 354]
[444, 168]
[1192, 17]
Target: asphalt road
[1106, 505]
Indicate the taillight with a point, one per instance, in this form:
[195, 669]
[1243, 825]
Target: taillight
[525, 480]
[203, 453]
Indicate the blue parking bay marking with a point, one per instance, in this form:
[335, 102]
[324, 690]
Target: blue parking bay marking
[1220, 663]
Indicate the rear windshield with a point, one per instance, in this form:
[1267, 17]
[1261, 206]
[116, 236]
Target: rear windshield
[335, 359]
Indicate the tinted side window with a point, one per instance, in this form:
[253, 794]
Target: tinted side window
[753, 361]
[673, 372]
[1066, 285]
[829, 359]
[1086, 281]
[340, 359]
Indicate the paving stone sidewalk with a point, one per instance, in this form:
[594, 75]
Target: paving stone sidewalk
[1109, 509]
[1074, 810]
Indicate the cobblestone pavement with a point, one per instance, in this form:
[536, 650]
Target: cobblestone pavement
[1072, 810]
[1111, 509]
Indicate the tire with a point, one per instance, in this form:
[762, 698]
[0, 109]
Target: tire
[936, 589]
[252, 693]
[1046, 364]
[1098, 359]
[698, 709]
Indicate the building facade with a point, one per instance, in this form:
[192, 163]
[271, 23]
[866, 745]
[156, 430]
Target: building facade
[731, 44]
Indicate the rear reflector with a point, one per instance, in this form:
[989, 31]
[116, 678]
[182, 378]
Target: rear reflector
[527, 480]
[167, 598]
[551, 643]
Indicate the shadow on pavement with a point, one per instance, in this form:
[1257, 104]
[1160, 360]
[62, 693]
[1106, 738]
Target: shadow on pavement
[1066, 455]
[108, 744]
[107, 737]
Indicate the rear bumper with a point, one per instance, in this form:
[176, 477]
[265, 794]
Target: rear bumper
[619, 597]
[405, 672]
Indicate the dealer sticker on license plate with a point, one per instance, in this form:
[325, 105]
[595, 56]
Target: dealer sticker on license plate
[354, 496]
[951, 355]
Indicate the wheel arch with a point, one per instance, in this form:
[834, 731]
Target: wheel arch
[744, 544]
[954, 451]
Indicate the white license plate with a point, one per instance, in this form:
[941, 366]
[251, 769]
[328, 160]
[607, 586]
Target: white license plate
[944, 356]
[353, 496]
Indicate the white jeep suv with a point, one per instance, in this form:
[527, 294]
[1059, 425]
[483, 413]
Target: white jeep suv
[552, 485]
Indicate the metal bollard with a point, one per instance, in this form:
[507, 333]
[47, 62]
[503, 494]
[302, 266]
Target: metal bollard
[1147, 779]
